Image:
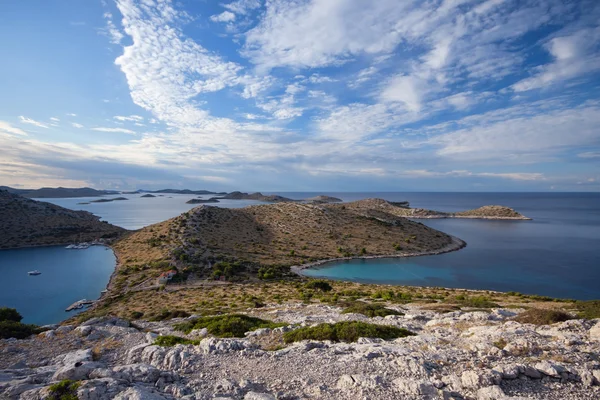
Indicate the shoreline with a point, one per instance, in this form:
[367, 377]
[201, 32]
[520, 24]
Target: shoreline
[455, 245]
[469, 217]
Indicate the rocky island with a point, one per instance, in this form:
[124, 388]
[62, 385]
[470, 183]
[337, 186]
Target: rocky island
[109, 200]
[25, 223]
[148, 195]
[203, 201]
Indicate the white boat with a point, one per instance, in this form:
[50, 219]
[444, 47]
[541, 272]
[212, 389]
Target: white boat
[71, 246]
[36, 272]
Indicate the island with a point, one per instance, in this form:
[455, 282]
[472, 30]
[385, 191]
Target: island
[323, 199]
[25, 223]
[60, 192]
[255, 196]
[109, 200]
[203, 201]
[147, 196]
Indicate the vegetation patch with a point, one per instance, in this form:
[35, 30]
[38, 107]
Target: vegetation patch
[345, 331]
[588, 309]
[12, 327]
[319, 284]
[170, 340]
[538, 316]
[64, 390]
[473, 301]
[232, 325]
[369, 309]
[169, 314]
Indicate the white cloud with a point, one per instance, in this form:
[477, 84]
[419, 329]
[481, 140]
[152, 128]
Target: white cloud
[114, 130]
[225, 16]
[574, 55]
[111, 30]
[30, 121]
[72, 115]
[242, 6]
[409, 90]
[517, 176]
[54, 119]
[589, 154]
[76, 125]
[134, 118]
[8, 129]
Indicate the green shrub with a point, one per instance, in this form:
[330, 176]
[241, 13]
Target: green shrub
[474, 301]
[169, 314]
[588, 309]
[64, 390]
[370, 310]
[169, 340]
[346, 331]
[9, 314]
[231, 325]
[136, 314]
[542, 317]
[17, 330]
[319, 284]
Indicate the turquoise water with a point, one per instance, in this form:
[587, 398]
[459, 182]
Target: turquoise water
[67, 276]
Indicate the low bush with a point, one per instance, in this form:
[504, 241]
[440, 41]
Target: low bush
[370, 310]
[11, 326]
[64, 390]
[169, 314]
[588, 309]
[231, 325]
[542, 317]
[169, 340]
[346, 331]
[319, 284]
[473, 301]
[9, 314]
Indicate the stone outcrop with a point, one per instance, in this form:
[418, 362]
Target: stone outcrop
[459, 355]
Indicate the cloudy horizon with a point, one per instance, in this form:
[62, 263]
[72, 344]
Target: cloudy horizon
[319, 95]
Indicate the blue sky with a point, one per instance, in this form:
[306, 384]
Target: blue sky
[323, 95]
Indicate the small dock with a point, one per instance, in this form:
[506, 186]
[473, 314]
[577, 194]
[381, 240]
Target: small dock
[79, 305]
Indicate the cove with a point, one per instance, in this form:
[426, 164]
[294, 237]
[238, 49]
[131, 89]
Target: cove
[67, 276]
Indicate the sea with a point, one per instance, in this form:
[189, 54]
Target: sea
[555, 254]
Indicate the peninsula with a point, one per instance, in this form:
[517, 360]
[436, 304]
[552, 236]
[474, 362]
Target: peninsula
[25, 222]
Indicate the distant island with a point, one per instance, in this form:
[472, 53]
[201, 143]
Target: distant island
[203, 201]
[184, 191]
[148, 196]
[109, 200]
[273, 198]
[25, 223]
[60, 192]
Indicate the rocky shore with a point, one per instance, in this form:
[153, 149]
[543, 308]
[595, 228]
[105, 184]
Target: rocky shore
[467, 354]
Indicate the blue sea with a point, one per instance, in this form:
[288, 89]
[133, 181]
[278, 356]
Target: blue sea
[67, 276]
[556, 254]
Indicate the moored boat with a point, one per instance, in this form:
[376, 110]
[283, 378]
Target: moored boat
[35, 272]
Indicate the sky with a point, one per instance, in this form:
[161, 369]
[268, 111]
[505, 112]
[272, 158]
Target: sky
[301, 95]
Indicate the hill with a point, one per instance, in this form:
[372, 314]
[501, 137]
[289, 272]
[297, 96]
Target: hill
[255, 196]
[184, 191]
[266, 240]
[59, 192]
[25, 222]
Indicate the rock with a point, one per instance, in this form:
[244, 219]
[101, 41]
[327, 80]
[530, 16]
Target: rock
[595, 332]
[587, 378]
[93, 321]
[75, 372]
[84, 330]
[137, 373]
[200, 333]
[48, 334]
[596, 374]
[365, 381]
[258, 332]
[98, 389]
[64, 329]
[75, 357]
[151, 337]
[491, 393]
[532, 372]
[258, 396]
[412, 387]
[476, 379]
[511, 371]
[134, 354]
[547, 368]
[139, 393]
[213, 345]
[225, 386]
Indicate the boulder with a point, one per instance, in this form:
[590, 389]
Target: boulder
[84, 330]
[139, 393]
[480, 378]
[137, 373]
[258, 396]
[595, 332]
[550, 369]
[422, 388]
[491, 393]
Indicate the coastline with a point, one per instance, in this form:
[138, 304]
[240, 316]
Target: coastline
[469, 217]
[455, 245]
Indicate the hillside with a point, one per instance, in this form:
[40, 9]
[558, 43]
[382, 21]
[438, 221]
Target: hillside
[25, 222]
[265, 240]
[60, 192]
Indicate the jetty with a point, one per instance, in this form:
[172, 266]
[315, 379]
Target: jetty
[79, 305]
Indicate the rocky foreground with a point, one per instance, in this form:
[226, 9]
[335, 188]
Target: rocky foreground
[481, 355]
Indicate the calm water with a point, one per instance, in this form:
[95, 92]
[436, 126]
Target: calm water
[138, 212]
[557, 254]
[67, 276]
